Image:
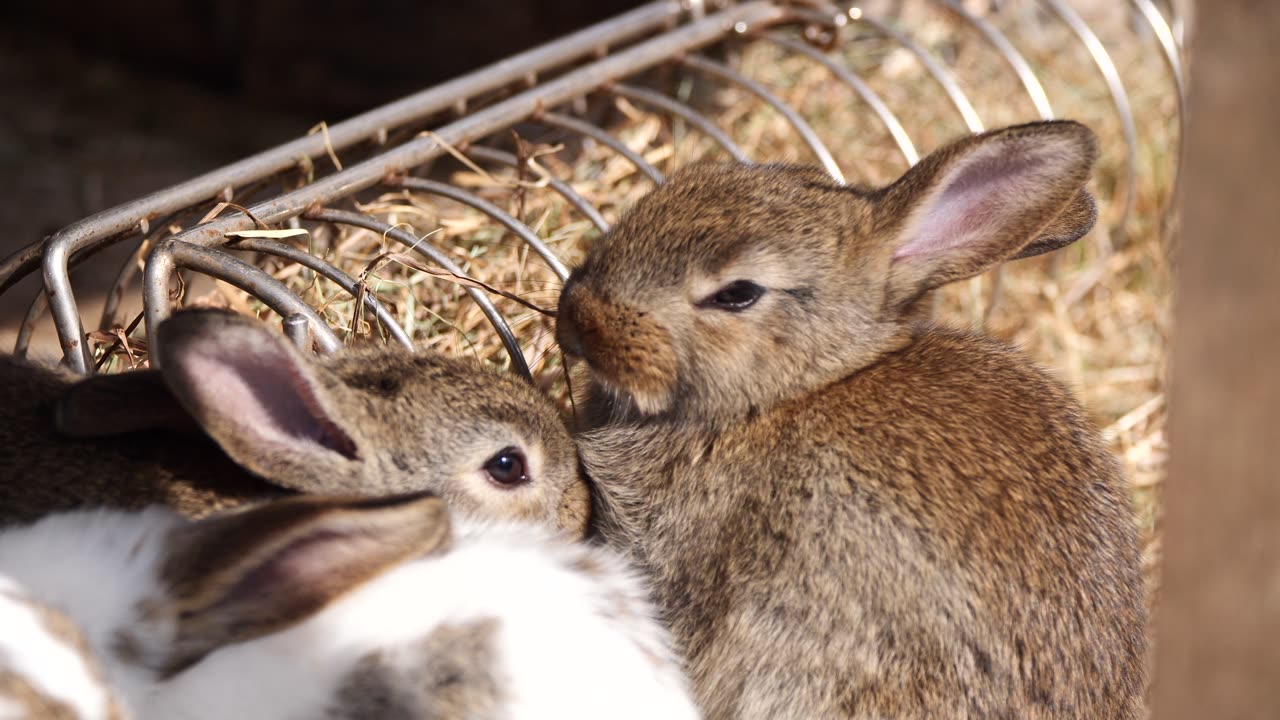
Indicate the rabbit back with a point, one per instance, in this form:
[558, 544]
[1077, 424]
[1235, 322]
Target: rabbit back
[45, 472]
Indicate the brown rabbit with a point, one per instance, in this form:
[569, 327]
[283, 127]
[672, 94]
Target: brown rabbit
[845, 512]
[234, 405]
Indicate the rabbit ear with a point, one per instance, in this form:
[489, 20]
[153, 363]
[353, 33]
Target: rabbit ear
[980, 201]
[235, 577]
[256, 396]
[1073, 224]
[105, 405]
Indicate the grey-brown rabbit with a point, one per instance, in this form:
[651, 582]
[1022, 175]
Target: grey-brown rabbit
[847, 512]
[237, 413]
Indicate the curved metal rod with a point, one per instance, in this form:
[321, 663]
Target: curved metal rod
[1010, 54]
[127, 270]
[1173, 60]
[170, 254]
[38, 305]
[297, 329]
[937, 70]
[433, 187]
[20, 263]
[657, 100]
[729, 75]
[855, 83]
[330, 272]
[579, 127]
[1119, 98]
[566, 191]
[404, 237]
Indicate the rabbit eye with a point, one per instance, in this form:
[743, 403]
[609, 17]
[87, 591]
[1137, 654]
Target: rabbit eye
[507, 468]
[734, 297]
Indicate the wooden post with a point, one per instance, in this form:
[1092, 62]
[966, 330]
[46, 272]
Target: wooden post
[1218, 617]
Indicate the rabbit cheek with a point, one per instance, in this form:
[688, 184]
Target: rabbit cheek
[575, 510]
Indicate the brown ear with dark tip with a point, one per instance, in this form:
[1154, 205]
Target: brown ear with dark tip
[983, 200]
[106, 405]
[241, 575]
[255, 395]
[1074, 223]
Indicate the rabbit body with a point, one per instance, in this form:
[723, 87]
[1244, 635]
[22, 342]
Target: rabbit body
[847, 511]
[48, 472]
[236, 413]
[494, 620]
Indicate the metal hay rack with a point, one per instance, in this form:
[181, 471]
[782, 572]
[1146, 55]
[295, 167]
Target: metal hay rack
[667, 59]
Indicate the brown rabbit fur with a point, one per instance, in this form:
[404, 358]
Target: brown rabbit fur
[847, 512]
[236, 413]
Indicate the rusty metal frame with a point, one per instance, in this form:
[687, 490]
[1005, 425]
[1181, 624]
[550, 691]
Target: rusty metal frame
[529, 87]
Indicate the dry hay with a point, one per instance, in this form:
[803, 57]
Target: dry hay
[1098, 312]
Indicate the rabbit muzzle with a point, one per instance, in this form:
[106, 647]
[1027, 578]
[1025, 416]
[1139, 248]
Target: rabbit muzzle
[626, 348]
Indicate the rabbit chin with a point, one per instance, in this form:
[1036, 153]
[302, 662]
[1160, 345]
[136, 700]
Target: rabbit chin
[627, 401]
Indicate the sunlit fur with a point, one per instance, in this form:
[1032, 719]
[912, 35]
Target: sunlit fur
[846, 511]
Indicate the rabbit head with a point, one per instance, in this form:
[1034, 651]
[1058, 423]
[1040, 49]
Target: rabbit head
[733, 286]
[374, 421]
[347, 607]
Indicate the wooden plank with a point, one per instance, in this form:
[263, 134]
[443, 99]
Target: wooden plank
[1218, 626]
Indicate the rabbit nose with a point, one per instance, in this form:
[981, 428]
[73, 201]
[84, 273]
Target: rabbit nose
[567, 333]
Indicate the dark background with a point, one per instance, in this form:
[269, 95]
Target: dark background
[101, 103]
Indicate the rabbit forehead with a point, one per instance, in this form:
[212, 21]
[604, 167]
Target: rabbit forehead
[408, 398]
[710, 215]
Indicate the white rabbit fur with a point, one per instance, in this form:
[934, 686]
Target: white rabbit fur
[44, 665]
[574, 638]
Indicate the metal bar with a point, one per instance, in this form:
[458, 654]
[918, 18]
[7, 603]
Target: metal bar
[128, 269]
[38, 305]
[937, 70]
[330, 272]
[295, 326]
[566, 191]
[1010, 54]
[1107, 67]
[802, 128]
[170, 254]
[657, 100]
[1173, 60]
[574, 125]
[860, 88]
[484, 122]
[402, 236]
[624, 27]
[433, 187]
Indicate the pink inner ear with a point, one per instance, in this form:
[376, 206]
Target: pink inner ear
[263, 395]
[974, 201]
[309, 570]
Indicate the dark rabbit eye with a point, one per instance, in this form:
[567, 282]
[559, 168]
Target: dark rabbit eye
[507, 468]
[734, 297]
